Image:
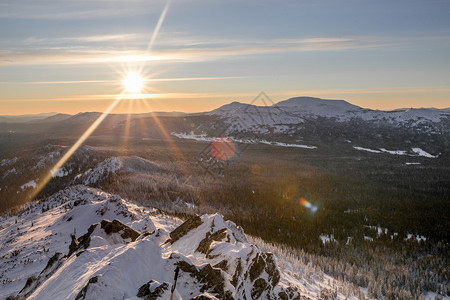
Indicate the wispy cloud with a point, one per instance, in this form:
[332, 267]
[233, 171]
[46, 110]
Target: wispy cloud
[115, 81]
[243, 96]
[386, 91]
[64, 9]
[198, 53]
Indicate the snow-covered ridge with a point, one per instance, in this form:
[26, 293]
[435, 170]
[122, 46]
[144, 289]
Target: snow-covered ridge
[31, 184]
[119, 250]
[114, 165]
[101, 171]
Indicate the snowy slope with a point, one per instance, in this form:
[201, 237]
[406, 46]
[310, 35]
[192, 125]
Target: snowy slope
[123, 251]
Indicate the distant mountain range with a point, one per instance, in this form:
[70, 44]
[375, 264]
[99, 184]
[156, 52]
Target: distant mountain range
[296, 110]
[55, 117]
[299, 105]
[25, 118]
[298, 122]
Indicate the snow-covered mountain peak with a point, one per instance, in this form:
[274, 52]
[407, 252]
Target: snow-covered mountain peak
[312, 104]
[231, 107]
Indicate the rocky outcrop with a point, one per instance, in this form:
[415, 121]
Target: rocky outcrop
[152, 290]
[118, 227]
[126, 233]
[205, 244]
[203, 297]
[82, 242]
[82, 294]
[211, 279]
[184, 228]
[34, 281]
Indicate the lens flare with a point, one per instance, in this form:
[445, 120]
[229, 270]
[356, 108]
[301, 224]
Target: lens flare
[305, 203]
[223, 149]
[133, 83]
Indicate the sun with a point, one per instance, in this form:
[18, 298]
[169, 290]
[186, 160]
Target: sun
[133, 83]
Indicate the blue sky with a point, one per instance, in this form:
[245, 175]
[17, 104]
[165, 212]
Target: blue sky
[71, 56]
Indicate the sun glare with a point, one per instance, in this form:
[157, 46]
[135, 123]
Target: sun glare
[133, 83]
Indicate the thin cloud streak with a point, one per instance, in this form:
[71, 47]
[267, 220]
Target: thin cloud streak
[116, 81]
[243, 95]
[76, 10]
[185, 54]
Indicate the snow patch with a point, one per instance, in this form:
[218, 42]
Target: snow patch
[59, 172]
[366, 149]
[7, 162]
[10, 171]
[327, 238]
[418, 238]
[396, 152]
[31, 184]
[423, 153]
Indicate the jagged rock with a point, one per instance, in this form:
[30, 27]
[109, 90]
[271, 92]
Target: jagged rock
[271, 269]
[117, 226]
[109, 227]
[29, 285]
[283, 296]
[52, 261]
[293, 293]
[258, 288]
[184, 228]
[82, 293]
[223, 265]
[210, 278]
[237, 273]
[257, 267]
[203, 297]
[33, 282]
[152, 290]
[82, 242]
[205, 244]
[79, 201]
[15, 298]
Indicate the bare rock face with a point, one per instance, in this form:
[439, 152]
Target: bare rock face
[82, 294]
[126, 233]
[203, 297]
[205, 244]
[258, 288]
[152, 290]
[118, 227]
[257, 267]
[82, 242]
[272, 269]
[211, 279]
[33, 282]
[184, 228]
